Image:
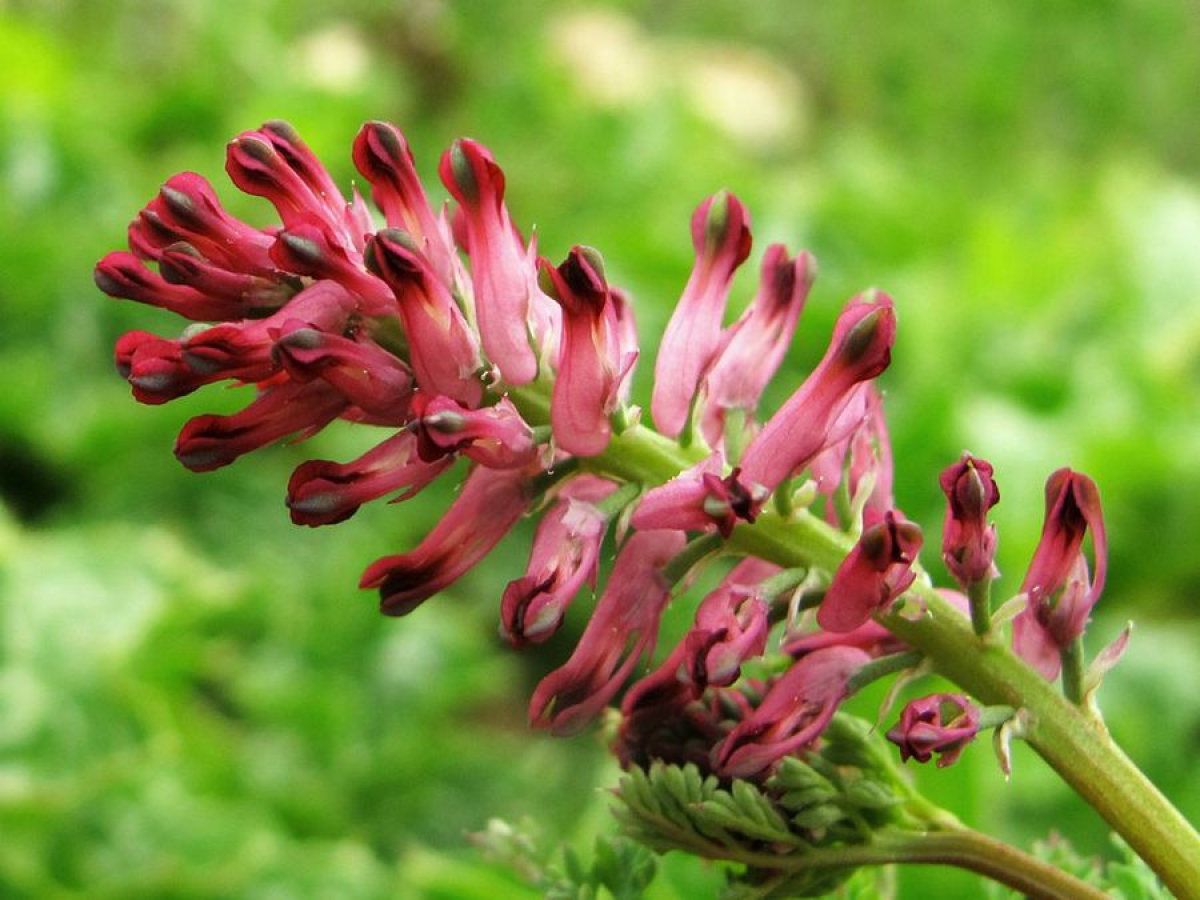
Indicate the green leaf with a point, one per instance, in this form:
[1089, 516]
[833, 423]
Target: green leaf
[624, 867]
[819, 817]
[867, 793]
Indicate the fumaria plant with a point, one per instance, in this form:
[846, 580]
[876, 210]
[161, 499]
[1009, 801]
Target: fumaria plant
[446, 331]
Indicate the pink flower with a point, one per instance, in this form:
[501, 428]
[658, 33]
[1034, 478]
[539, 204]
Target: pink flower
[565, 556]
[154, 368]
[1060, 589]
[501, 271]
[274, 163]
[311, 248]
[941, 723]
[359, 369]
[495, 436]
[490, 504]
[210, 442]
[721, 238]
[443, 350]
[864, 455]
[381, 154]
[322, 492]
[804, 425]
[792, 715]
[731, 626]
[753, 347]
[623, 628]
[876, 571]
[968, 542]
[590, 366]
[122, 274]
[700, 499]
[187, 211]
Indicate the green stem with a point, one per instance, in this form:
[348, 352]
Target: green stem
[979, 593]
[1075, 744]
[976, 852]
[1072, 671]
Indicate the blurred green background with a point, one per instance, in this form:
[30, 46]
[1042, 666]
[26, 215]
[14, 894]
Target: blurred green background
[195, 701]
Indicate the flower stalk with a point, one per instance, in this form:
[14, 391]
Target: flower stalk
[1071, 741]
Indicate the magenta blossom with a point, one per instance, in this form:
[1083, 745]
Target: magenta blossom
[700, 499]
[863, 456]
[1060, 589]
[495, 436]
[290, 408]
[793, 714]
[875, 573]
[804, 425]
[491, 502]
[622, 630]
[444, 351]
[565, 557]
[753, 347]
[731, 626]
[968, 541]
[591, 363]
[721, 239]
[381, 154]
[502, 271]
[941, 723]
[322, 492]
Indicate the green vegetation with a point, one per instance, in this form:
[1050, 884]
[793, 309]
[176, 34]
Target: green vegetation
[196, 701]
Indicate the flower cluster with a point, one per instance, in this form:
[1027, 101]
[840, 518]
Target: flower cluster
[442, 327]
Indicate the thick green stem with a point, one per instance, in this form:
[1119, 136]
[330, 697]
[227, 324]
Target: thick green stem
[1073, 742]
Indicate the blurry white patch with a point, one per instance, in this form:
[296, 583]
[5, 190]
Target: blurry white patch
[606, 54]
[744, 93]
[741, 91]
[334, 58]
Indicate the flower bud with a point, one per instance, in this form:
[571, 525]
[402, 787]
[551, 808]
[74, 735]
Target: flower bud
[968, 542]
[941, 723]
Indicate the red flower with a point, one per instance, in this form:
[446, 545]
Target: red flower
[591, 363]
[700, 499]
[502, 272]
[876, 571]
[753, 347]
[565, 557]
